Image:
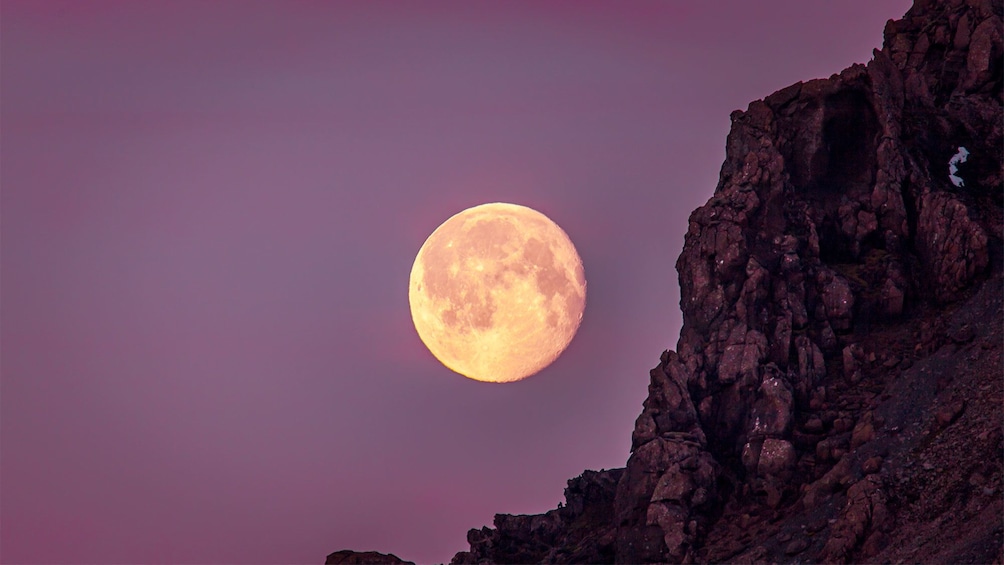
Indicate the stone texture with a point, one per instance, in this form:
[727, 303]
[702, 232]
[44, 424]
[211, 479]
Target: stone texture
[952, 245]
[581, 531]
[777, 459]
[670, 477]
[833, 211]
[949, 413]
[871, 465]
[864, 512]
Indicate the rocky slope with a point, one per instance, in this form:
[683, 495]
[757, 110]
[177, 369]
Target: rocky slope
[836, 391]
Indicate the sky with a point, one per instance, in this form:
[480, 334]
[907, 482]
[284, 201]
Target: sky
[208, 216]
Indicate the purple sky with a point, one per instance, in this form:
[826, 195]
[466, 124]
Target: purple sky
[209, 215]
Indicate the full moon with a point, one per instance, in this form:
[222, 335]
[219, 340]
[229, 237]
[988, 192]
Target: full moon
[497, 292]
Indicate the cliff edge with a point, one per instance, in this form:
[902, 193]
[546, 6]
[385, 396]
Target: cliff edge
[836, 391]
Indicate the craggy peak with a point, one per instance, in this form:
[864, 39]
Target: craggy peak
[836, 393]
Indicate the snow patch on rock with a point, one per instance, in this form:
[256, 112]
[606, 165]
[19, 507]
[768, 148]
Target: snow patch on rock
[953, 166]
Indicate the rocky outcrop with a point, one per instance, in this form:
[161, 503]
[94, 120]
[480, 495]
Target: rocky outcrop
[348, 557]
[841, 350]
[834, 217]
[581, 531]
[670, 477]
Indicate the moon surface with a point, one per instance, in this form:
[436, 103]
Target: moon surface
[497, 292]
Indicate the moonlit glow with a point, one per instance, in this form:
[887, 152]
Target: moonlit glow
[497, 292]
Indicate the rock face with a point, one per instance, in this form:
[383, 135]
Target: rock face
[834, 217]
[835, 394]
[817, 379]
[581, 531]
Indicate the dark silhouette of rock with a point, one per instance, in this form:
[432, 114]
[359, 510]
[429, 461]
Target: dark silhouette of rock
[348, 557]
[581, 531]
[835, 394]
[834, 217]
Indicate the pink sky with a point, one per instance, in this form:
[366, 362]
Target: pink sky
[209, 214]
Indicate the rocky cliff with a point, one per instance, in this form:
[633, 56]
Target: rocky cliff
[836, 391]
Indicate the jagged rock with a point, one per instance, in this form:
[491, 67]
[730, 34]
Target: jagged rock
[862, 434]
[984, 49]
[772, 413]
[872, 465]
[865, 511]
[581, 531]
[828, 213]
[832, 448]
[838, 299]
[842, 424]
[777, 459]
[853, 356]
[836, 477]
[949, 413]
[953, 246]
[669, 475]
[891, 302]
[764, 456]
[348, 557]
[796, 547]
[814, 425]
[810, 369]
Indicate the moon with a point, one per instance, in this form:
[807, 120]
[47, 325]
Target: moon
[497, 292]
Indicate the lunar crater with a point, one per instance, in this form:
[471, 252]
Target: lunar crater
[497, 292]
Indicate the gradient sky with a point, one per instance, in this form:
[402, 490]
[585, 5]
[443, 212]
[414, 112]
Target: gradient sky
[209, 215]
